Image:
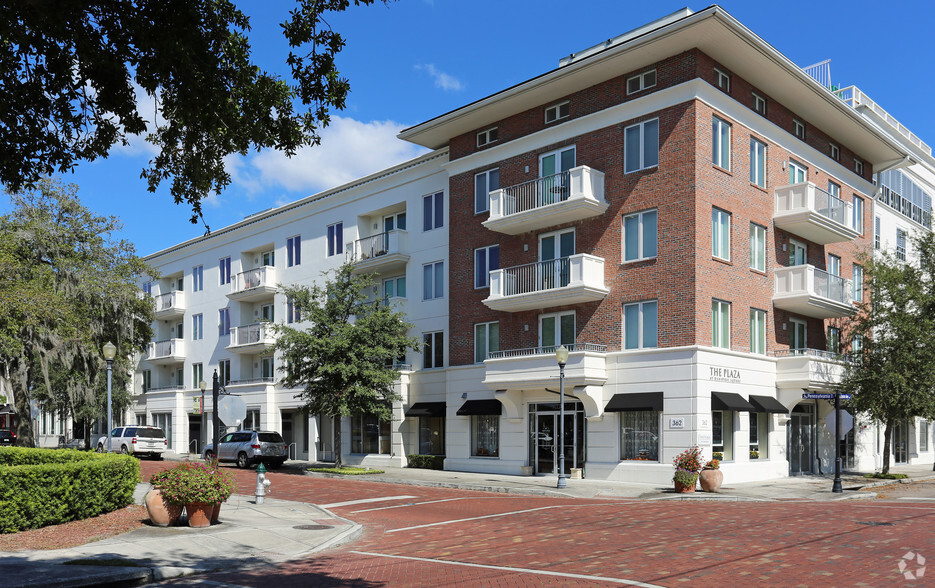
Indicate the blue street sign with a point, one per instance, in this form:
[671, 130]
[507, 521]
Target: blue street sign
[824, 396]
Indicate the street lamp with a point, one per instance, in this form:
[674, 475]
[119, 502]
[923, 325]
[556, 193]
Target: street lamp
[561, 354]
[110, 352]
[203, 385]
[215, 391]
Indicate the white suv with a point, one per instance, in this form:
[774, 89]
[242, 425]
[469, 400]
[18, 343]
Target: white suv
[139, 439]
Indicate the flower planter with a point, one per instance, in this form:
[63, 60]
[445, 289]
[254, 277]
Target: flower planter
[216, 513]
[711, 480]
[199, 514]
[684, 488]
[161, 512]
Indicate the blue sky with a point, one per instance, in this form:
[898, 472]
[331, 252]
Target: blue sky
[412, 60]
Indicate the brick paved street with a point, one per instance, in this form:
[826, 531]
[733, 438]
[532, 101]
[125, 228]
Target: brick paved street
[448, 536]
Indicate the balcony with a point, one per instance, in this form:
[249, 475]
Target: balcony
[168, 352]
[556, 282]
[808, 368]
[170, 306]
[254, 285]
[808, 211]
[809, 291]
[251, 339]
[563, 198]
[384, 253]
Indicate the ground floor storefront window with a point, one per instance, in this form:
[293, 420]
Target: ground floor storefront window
[163, 420]
[485, 435]
[370, 435]
[432, 435]
[639, 435]
[722, 425]
[759, 430]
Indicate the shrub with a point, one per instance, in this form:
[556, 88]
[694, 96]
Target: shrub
[426, 462]
[194, 482]
[685, 477]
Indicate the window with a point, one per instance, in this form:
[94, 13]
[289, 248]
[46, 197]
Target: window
[923, 435]
[640, 325]
[857, 345]
[759, 439]
[798, 173]
[485, 435]
[433, 280]
[267, 368]
[720, 137]
[759, 104]
[859, 167]
[900, 244]
[798, 128]
[639, 435]
[293, 251]
[292, 312]
[251, 421]
[198, 323]
[641, 82]
[758, 163]
[394, 288]
[720, 323]
[720, 234]
[798, 252]
[224, 265]
[859, 214]
[486, 259]
[148, 288]
[834, 189]
[487, 137]
[370, 435]
[757, 247]
[722, 80]
[641, 146]
[433, 211]
[180, 378]
[640, 235]
[335, 239]
[485, 183]
[224, 372]
[198, 374]
[834, 151]
[141, 419]
[557, 112]
[432, 435]
[147, 381]
[198, 278]
[834, 340]
[797, 338]
[224, 322]
[722, 433]
[858, 283]
[163, 420]
[834, 265]
[757, 331]
[433, 350]
[268, 312]
[486, 340]
[876, 232]
[269, 258]
[555, 330]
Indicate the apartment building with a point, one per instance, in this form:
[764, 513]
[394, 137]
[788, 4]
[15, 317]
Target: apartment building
[681, 207]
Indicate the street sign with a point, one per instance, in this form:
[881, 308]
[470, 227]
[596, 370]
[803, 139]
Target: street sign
[232, 410]
[847, 422]
[823, 396]
[196, 405]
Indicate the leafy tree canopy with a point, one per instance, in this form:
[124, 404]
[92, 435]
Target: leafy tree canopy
[68, 288]
[344, 359]
[80, 76]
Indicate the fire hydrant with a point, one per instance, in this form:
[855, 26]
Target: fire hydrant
[262, 484]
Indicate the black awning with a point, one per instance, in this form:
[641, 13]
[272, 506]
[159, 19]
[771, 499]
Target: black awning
[767, 404]
[635, 401]
[730, 401]
[471, 407]
[7, 409]
[426, 409]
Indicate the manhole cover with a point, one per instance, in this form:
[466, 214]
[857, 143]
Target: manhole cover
[312, 527]
[874, 524]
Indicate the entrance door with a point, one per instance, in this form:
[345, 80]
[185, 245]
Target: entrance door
[391, 223]
[194, 434]
[552, 168]
[545, 419]
[546, 437]
[901, 442]
[798, 252]
[287, 435]
[325, 444]
[800, 440]
[554, 251]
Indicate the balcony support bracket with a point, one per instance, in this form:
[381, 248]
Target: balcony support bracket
[592, 399]
[512, 401]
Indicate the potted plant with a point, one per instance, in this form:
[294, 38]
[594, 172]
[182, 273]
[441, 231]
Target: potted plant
[754, 454]
[687, 465]
[162, 513]
[711, 476]
[199, 487]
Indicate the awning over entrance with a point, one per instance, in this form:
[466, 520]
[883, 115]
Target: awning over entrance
[637, 401]
[472, 407]
[767, 404]
[426, 409]
[7, 409]
[730, 401]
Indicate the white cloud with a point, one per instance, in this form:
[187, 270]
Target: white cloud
[349, 149]
[442, 80]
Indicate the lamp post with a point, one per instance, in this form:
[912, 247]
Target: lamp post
[215, 391]
[561, 354]
[203, 385]
[110, 352]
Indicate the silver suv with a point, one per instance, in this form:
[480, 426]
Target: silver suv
[139, 439]
[248, 448]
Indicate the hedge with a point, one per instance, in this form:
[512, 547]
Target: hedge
[426, 462]
[41, 487]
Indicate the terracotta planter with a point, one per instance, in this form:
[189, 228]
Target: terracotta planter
[161, 513]
[199, 514]
[684, 488]
[711, 480]
[215, 513]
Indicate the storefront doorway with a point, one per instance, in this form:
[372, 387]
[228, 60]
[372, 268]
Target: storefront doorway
[544, 421]
[325, 442]
[801, 439]
[901, 442]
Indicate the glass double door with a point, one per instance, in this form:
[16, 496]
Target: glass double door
[801, 434]
[544, 443]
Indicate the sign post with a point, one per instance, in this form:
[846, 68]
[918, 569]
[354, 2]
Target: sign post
[836, 486]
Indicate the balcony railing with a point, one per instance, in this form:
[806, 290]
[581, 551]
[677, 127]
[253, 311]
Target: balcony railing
[547, 350]
[382, 253]
[565, 197]
[805, 209]
[166, 351]
[170, 304]
[816, 353]
[254, 284]
[807, 290]
[566, 280]
[814, 369]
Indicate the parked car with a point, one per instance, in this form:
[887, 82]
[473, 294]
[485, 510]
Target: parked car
[138, 440]
[247, 448]
[7, 438]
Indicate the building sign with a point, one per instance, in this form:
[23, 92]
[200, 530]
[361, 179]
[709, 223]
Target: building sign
[678, 423]
[720, 374]
[196, 405]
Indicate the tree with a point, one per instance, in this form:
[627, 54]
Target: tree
[893, 369]
[68, 288]
[344, 359]
[71, 73]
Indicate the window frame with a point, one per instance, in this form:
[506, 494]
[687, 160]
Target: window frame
[224, 268]
[489, 135]
[562, 340]
[396, 282]
[901, 244]
[641, 238]
[433, 211]
[721, 153]
[758, 162]
[858, 281]
[798, 129]
[641, 318]
[758, 322]
[294, 251]
[491, 339]
[198, 327]
[198, 374]
[557, 108]
[642, 84]
[486, 175]
[726, 430]
[653, 417]
[758, 235]
[759, 104]
[438, 289]
[485, 254]
[720, 324]
[334, 239]
[721, 80]
[834, 151]
[224, 372]
[433, 343]
[858, 204]
[198, 278]
[492, 422]
[795, 322]
[224, 321]
[641, 144]
[717, 238]
[858, 167]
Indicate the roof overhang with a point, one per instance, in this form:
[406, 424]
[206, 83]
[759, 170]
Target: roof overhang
[713, 31]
